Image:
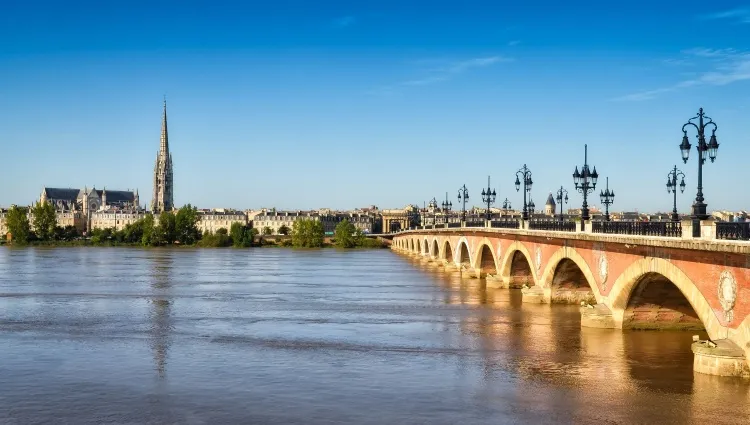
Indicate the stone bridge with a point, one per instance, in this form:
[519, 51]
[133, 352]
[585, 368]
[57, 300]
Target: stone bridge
[621, 281]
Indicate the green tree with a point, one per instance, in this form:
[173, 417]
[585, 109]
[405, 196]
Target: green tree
[359, 238]
[44, 218]
[250, 235]
[267, 231]
[344, 235]
[237, 232]
[18, 224]
[284, 230]
[168, 226]
[133, 232]
[147, 230]
[186, 225]
[308, 234]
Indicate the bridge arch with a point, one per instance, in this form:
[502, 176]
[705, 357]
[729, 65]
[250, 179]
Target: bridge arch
[567, 266]
[435, 250]
[635, 281]
[447, 252]
[419, 247]
[425, 247]
[485, 259]
[411, 244]
[516, 266]
[463, 254]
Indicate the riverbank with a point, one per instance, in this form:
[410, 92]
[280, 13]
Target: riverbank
[261, 243]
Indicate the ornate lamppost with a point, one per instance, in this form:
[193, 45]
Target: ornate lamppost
[463, 196]
[506, 206]
[608, 198]
[562, 197]
[488, 197]
[432, 206]
[710, 148]
[447, 205]
[531, 207]
[524, 173]
[585, 182]
[672, 188]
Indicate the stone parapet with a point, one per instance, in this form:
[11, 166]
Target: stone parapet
[711, 245]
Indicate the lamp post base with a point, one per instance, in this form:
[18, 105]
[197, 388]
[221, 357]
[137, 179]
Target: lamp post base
[699, 211]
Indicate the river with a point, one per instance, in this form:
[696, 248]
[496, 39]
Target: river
[281, 336]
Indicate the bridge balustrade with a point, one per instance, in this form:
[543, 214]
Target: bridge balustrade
[640, 228]
[475, 224]
[553, 225]
[733, 231]
[453, 225]
[505, 224]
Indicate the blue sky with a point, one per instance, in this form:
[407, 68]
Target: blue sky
[342, 104]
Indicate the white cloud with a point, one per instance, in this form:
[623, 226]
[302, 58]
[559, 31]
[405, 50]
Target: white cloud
[721, 67]
[741, 15]
[452, 69]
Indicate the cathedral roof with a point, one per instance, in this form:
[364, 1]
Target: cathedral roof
[114, 196]
[66, 194]
[550, 200]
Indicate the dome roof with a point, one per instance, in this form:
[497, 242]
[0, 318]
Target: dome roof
[550, 200]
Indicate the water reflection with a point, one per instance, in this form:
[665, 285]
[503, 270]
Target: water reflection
[160, 318]
[320, 337]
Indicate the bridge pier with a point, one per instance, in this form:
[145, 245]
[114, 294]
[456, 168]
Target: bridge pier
[597, 316]
[720, 357]
[535, 295]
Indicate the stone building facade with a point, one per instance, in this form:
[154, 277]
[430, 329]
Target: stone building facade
[212, 220]
[3, 223]
[77, 207]
[366, 221]
[115, 218]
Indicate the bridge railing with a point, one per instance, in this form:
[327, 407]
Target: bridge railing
[640, 228]
[733, 231]
[475, 224]
[505, 224]
[553, 225]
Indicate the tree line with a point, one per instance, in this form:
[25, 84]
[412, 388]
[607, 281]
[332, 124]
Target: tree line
[39, 223]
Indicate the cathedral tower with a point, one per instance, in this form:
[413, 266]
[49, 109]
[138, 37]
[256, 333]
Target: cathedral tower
[163, 184]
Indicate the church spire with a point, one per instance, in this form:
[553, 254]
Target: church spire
[164, 146]
[163, 178]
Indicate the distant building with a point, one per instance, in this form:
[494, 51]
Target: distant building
[212, 220]
[115, 218]
[550, 206]
[75, 207]
[394, 220]
[275, 220]
[3, 223]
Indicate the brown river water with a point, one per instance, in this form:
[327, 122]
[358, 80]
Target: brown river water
[280, 336]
